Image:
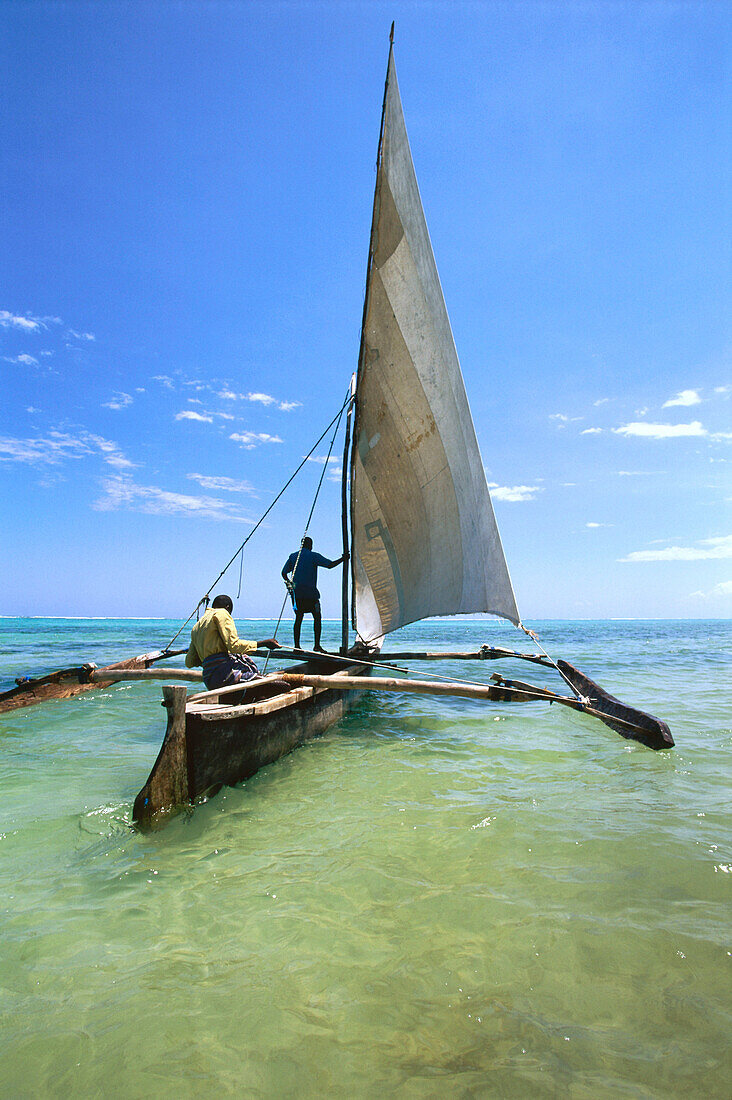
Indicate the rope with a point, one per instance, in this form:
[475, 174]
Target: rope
[535, 639]
[307, 524]
[206, 598]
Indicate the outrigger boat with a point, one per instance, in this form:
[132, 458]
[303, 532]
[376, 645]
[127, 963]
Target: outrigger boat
[418, 526]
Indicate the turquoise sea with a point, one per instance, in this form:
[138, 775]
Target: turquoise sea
[438, 898]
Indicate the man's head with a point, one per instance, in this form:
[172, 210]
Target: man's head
[223, 601]
[307, 543]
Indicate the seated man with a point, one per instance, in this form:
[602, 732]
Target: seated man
[216, 645]
[303, 587]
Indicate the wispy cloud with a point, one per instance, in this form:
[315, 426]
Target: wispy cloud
[722, 590]
[80, 335]
[249, 440]
[601, 401]
[684, 398]
[662, 431]
[119, 401]
[13, 320]
[25, 360]
[704, 550]
[164, 380]
[223, 484]
[599, 525]
[57, 447]
[591, 431]
[190, 414]
[561, 419]
[260, 398]
[122, 492]
[265, 399]
[513, 493]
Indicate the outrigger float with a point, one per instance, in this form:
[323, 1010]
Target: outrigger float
[418, 528]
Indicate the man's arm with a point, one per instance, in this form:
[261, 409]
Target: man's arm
[192, 658]
[235, 644]
[288, 566]
[327, 563]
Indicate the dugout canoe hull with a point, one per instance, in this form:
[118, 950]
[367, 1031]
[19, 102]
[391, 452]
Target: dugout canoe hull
[651, 731]
[208, 747]
[65, 684]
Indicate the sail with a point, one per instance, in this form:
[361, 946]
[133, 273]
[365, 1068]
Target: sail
[424, 536]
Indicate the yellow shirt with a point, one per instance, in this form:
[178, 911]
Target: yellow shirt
[215, 632]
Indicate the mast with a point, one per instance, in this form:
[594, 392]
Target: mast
[345, 480]
[369, 265]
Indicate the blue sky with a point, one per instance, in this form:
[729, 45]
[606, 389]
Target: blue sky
[187, 194]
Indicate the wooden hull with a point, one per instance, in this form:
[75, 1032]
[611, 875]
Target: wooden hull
[649, 730]
[64, 684]
[207, 747]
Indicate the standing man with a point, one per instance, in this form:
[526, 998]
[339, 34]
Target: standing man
[303, 587]
[216, 645]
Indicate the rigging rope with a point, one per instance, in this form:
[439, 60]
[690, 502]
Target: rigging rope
[535, 639]
[205, 599]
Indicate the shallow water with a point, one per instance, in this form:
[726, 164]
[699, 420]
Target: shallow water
[438, 898]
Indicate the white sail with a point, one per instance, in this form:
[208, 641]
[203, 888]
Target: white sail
[425, 540]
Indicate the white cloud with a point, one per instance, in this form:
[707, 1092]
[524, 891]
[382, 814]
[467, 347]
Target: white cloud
[723, 390]
[58, 447]
[322, 459]
[704, 550]
[118, 401]
[249, 440]
[122, 492]
[591, 431]
[11, 320]
[513, 493]
[223, 484]
[81, 335]
[685, 397]
[265, 399]
[189, 414]
[662, 431]
[26, 360]
[601, 401]
[599, 525]
[164, 379]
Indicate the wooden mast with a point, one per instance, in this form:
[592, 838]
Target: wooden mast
[345, 480]
[362, 347]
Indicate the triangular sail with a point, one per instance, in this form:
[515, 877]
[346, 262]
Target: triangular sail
[425, 540]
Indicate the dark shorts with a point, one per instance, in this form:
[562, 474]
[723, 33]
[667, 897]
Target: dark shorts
[225, 669]
[305, 605]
